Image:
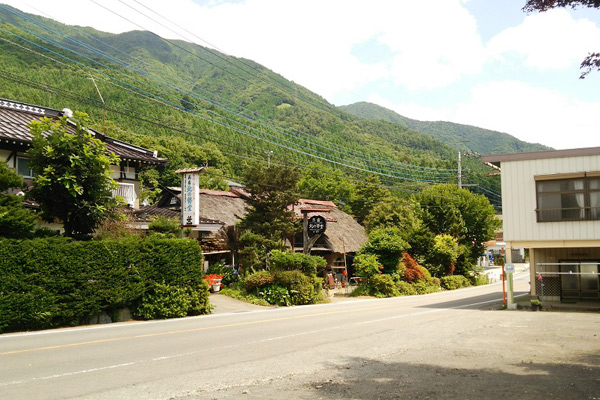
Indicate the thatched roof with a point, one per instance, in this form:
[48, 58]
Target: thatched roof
[343, 233]
[226, 207]
[223, 206]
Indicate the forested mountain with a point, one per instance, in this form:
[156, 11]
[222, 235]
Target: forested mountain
[478, 140]
[198, 106]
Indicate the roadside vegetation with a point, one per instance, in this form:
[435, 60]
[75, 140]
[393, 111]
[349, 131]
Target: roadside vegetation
[417, 244]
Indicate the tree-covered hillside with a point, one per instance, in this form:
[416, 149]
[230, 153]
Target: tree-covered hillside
[478, 140]
[198, 106]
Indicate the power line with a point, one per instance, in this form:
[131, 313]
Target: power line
[408, 173]
[344, 163]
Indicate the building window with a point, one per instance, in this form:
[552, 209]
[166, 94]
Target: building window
[127, 192]
[569, 199]
[23, 167]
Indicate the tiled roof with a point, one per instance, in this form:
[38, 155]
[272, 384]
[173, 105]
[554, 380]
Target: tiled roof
[14, 128]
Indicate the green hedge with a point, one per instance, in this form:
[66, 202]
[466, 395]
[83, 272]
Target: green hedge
[288, 261]
[300, 289]
[452, 282]
[384, 286]
[59, 282]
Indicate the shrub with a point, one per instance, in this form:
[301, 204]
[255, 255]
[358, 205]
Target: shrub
[384, 286]
[275, 295]
[163, 301]
[238, 292]
[453, 282]
[199, 300]
[405, 288]
[287, 261]
[443, 254]
[301, 287]
[169, 227]
[426, 274]
[387, 244]
[479, 279]
[258, 280]
[424, 287]
[59, 282]
[413, 271]
[367, 265]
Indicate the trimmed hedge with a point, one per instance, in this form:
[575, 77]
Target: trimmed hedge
[53, 282]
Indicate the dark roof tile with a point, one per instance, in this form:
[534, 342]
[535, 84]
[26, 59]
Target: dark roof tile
[14, 127]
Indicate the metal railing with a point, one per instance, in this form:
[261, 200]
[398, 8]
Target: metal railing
[576, 280]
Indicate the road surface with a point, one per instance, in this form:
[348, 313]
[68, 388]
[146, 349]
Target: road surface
[444, 345]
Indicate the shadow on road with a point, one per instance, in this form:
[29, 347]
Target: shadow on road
[363, 378]
[483, 302]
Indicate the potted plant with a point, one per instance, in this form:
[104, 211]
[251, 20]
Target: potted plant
[214, 281]
[536, 305]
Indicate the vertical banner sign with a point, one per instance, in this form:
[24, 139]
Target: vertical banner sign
[190, 201]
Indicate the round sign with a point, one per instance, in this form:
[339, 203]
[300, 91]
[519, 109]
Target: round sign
[316, 225]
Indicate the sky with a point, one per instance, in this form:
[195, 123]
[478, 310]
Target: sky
[477, 62]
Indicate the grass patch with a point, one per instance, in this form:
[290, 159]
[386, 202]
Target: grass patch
[242, 295]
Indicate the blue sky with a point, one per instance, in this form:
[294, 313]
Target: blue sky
[476, 62]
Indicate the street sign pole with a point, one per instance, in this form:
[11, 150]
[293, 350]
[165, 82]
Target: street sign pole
[510, 270]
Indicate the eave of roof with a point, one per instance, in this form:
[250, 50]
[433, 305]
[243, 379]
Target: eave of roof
[540, 155]
[15, 118]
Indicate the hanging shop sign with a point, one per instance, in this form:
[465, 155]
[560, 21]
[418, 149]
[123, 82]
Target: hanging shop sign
[316, 225]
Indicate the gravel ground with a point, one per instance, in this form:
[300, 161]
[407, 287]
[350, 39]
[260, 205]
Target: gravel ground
[496, 355]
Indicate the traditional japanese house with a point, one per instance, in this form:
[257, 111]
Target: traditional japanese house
[15, 140]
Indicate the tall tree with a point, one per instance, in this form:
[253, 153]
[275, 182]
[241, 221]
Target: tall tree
[271, 191]
[592, 61]
[324, 183]
[368, 194]
[15, 220]
[470, 218]
[73, 183]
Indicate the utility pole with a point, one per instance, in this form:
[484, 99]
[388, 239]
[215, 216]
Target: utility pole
[269, 152]
[103, 105]
[459, 171]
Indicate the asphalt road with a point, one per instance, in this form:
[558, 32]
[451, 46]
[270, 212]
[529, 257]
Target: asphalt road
[298, 352]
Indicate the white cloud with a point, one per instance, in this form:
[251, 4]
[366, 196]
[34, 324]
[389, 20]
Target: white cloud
[550, 40]
[434, 43]
[431, 45]
[536, 115]
[433, 48]
[412, 110]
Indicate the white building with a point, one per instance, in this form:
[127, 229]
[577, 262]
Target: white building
[551, 206]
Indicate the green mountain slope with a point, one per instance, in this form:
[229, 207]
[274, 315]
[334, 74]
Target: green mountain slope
[479, 140]
[160, 92]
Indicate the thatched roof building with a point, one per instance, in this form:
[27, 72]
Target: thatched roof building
[343, 234]
[226, 207]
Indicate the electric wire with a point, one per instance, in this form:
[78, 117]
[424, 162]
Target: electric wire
[382, 173]
[130, 113]
[369, 160]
